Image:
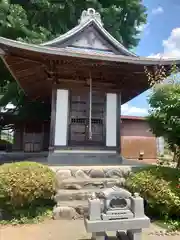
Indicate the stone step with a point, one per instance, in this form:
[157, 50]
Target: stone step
[78, 159]
[74, 203]
[77, 184]
[90, 159]
[70, 210]
[69, 195]
[81, 206]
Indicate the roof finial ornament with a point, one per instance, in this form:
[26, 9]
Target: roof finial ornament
[89, 14]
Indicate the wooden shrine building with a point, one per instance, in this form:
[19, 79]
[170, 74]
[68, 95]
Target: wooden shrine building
[86, 75]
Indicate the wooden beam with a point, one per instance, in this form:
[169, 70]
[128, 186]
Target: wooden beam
[100, 87]
[38, 93]
[85, 82]
[14, 59]
[34, 70]
[72, 69]
[34, 84]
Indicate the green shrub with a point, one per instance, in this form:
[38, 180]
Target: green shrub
[159, 187]
[25, 184]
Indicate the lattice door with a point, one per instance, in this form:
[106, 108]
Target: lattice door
[79, 120]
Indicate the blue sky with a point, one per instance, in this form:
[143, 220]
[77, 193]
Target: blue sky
[159, 37]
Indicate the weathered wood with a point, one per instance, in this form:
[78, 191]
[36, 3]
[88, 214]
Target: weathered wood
[85, 82]
[82, 87]
[35, 70]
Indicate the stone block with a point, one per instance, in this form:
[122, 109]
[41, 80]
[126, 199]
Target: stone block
[63, 173]
[114, 173]
[89, 183]
[98, 236]
[63, 212]
[80, 174]
[80, 206]
[134, 234]
[126, 171]
[121, 235]
[72, 186]
[122, 181]
[97, 173]
[114, 225]
[68, 195]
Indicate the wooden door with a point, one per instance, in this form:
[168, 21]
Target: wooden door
[79, 124]
[98, 119]
[78, 119]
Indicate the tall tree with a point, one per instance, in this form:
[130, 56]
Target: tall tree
[164, 117]
[41, 20]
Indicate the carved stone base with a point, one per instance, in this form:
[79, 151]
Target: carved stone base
[98, 236]
[134, 234]
[130, 235]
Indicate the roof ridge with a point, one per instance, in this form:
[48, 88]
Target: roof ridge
[86, 19]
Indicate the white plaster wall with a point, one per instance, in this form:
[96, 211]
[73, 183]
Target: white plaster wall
[111, 128]
[61, 117]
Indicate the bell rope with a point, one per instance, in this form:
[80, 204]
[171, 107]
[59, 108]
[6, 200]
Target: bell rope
[90, 106]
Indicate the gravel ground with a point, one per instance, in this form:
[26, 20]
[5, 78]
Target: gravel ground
[65, 230]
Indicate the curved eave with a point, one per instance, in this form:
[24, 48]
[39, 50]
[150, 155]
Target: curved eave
[81, 27]
[6, 44]
[28, 64]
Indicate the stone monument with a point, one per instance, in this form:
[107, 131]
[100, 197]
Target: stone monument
[117, 210]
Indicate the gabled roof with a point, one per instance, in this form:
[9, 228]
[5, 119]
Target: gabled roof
[90, 20]
[19, 48]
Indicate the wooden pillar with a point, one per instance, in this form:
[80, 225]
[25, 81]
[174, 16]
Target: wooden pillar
[118, 123]
[53, 119]
[18, 138]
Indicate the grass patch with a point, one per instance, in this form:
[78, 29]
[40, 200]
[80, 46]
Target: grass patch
[28, 216]
[169, 225]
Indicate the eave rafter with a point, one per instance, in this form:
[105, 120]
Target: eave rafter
[38, 72]
[37, 78]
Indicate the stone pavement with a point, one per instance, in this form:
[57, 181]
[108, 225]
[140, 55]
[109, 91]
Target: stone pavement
[64, 230]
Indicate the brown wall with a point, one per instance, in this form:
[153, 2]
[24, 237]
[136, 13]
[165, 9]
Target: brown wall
[31, 137]
[136, 137]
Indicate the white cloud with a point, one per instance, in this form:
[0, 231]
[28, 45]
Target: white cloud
[158, 10]
[171, 46]
[127, 109]
[143, 28]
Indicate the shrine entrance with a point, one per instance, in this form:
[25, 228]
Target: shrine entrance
[86, 74]
[87, 119]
